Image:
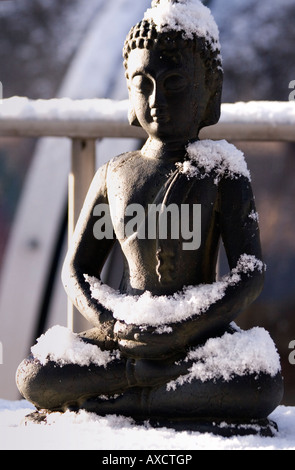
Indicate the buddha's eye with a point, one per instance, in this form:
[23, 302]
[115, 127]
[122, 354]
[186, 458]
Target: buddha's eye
[141, 83]
[175, 82]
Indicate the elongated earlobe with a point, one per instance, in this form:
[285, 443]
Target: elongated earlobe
[132, 118]
[212, 114]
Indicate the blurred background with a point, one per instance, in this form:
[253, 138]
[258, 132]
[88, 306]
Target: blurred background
[53, 48]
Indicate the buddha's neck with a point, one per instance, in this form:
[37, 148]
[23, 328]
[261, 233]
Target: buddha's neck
[170, 151]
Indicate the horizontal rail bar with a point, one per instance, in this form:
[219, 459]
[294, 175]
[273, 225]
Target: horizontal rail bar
[72, 129]
[98, 118]
[235, 131]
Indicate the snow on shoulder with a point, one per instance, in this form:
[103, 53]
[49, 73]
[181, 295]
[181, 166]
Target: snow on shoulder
[224, 158]
[62, 346]
[189, 16]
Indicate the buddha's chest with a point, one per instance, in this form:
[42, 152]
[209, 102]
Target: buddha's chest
[152, 200]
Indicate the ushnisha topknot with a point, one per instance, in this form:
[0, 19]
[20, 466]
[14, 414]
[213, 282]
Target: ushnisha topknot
[168, 22]
[190, 17]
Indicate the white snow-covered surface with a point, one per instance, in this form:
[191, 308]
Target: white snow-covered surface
[59, 344]
[274, 112]
[221, 156]
[87, 431]
[20, 107]
[189, 16]
[231, 355]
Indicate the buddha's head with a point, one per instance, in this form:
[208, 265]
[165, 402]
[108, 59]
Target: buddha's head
[173, 70]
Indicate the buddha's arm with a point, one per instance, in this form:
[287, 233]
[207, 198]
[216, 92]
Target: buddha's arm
[87, 255]
[238, 226]
[240, 234]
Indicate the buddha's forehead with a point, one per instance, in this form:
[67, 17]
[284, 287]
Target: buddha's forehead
[159, 58]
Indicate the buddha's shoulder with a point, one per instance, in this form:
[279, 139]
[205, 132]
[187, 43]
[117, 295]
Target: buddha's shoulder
[124, 160]
[116, 164]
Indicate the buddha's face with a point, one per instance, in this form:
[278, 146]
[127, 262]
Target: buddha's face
[168, 92]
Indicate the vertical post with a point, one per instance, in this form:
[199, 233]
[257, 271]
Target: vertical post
[81, 174]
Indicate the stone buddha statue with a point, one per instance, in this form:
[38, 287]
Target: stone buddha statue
[164, 346]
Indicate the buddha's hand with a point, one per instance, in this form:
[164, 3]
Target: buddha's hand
[147, 342]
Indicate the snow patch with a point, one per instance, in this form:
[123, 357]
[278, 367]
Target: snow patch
[62, 346]
[254, 216]
[189, 16]
[147, 309]
[248, 264]
[18, 107]
[273, 112]
[221, 156]
[237, 354]
[163, 329]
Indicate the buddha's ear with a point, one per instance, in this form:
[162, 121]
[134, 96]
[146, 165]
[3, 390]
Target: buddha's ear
[212, 113]
[132, 118]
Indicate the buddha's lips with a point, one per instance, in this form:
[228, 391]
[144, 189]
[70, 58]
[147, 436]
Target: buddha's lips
[160, 115]
[161, 118]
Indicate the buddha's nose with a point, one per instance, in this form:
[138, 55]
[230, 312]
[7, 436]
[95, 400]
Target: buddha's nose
[157, 99]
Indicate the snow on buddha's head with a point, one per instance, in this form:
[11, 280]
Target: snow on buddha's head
[190, 17]
[188, 20]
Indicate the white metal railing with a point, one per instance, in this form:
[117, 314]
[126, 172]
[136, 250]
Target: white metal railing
[98, 118]
[85, 121]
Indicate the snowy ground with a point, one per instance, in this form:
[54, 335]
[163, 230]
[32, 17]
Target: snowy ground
[86, 431]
